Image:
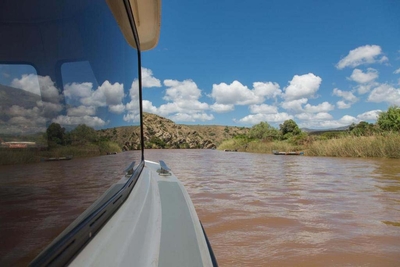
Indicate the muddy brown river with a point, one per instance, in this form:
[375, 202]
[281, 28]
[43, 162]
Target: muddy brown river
[257, 209]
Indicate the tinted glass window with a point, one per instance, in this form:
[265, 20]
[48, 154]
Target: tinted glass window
[69, 117]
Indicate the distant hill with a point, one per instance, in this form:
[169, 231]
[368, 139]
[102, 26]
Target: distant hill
[161, 132]
[10, 96]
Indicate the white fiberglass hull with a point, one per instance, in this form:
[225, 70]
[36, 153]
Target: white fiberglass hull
[156, 226]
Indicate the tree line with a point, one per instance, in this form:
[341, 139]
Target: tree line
[81, 135]
[387, 121]
[264, 131]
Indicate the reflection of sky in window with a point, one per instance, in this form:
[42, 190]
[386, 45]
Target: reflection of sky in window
[19, 76]
[78, 72]
[95, 100]
[86, 76]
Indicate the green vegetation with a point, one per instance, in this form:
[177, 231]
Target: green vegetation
[289, 128]
[83, 141]
[55, 134]
[390, 120]
[263, 131]
[155, 142]
[364, 139]
[378, 145]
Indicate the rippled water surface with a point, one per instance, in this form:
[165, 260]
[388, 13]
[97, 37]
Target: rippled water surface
[266, 210]
[257, 209]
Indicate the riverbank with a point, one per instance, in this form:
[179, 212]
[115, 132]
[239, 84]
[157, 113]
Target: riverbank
[385, 145]
[20, 156]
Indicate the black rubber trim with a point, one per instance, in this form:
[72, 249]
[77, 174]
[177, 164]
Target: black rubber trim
[212, 255]
[134, 29]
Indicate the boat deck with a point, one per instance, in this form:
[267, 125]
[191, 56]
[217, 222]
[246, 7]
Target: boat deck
[156, 226]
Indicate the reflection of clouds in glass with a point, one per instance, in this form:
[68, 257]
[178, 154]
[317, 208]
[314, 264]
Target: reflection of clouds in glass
[49, 110]
[106, 94]
[20, 115]
[6, 75]
[81, 111]
[133, 106]
[78, 90]
[27, 121]
[16, 110]
[28, 83]
[73, 121]
[31, 108]
[114, 93]
[39, 85]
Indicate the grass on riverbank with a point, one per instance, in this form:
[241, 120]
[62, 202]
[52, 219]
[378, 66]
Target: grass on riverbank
[258, 146]
[385, 145]
[19, 156]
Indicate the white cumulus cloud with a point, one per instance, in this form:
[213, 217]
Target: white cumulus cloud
[117, 109]
[365, 88]
[267, 89]
[148, 107]
[346, 95]
[239, 94]
[182, 103]
[294, 105]
[221, 108]
[323, 107]
[314, 117]
[385, 93]
[263, 108]
[348, 98]
[132, 117]
[181, 90]
[192, 117]
[343, 105]
[371, 115]
[324, 124]
[397, 71]
[302, 86]
[270, 118]
[367, 54]
[148, 80]
[364, 77]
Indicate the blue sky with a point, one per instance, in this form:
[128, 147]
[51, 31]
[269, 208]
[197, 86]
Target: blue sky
[322, 63]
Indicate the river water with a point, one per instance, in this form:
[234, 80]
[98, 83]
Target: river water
[257, 209]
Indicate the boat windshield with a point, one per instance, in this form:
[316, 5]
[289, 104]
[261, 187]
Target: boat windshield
[69, 117]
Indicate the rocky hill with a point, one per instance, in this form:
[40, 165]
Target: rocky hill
[160, 132]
